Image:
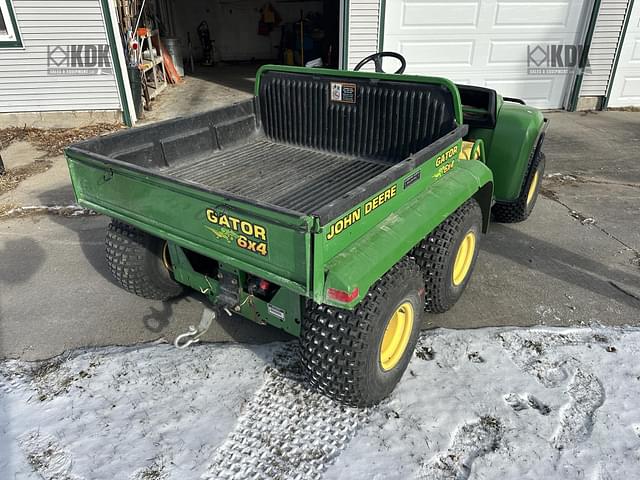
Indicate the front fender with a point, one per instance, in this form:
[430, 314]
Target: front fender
[362, 263]
[517, 130]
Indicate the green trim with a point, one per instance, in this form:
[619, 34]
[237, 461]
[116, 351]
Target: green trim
[115, 57]
[345, 36]
[575, 94]
[369, 75]
[614, 69]
[383, 11]
[17, 43]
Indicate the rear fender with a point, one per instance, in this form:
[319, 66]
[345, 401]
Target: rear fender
[361, 264]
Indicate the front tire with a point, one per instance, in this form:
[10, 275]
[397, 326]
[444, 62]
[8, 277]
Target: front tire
[448, 255]
[520, 210]
[140, 262]
[359, 356]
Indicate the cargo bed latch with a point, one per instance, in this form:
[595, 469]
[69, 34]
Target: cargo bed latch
[184, 340]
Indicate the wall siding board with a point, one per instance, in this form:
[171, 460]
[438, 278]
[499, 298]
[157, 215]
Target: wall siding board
[604, 45]
[364, 27]
[26, 86]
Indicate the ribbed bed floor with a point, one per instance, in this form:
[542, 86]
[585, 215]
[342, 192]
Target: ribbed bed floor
[283, 175]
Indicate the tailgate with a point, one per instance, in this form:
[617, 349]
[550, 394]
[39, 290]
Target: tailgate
[272, 244]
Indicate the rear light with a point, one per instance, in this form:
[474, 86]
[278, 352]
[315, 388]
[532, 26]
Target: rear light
[343, 297]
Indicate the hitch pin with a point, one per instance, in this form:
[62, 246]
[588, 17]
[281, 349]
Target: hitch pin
[186, 339]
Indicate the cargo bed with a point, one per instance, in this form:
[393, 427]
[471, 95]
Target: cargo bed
[287, 176]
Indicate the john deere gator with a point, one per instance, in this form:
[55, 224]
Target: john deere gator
[336, 205]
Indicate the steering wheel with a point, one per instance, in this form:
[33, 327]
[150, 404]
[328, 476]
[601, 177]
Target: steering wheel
[376, 58]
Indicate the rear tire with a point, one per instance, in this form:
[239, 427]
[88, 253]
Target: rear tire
[448, 255]
[520, 210]
[348, 354]
[136, 261]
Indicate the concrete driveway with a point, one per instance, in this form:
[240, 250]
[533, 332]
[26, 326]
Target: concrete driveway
[575, 261]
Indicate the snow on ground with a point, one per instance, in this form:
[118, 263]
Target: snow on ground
[489, 403]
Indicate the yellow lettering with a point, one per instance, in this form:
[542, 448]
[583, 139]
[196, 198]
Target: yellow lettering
[211, 216]
[246, 228]
[260, 232]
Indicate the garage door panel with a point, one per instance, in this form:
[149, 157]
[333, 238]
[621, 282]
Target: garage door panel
[512, 53]
[421, 13]
[538, 91]
[532, 14]
[484, 41]
[625, 90]
[430, 53]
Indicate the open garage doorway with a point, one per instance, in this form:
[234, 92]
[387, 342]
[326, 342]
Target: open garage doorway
[216, 47]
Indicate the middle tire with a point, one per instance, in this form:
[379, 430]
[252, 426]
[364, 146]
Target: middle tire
[359, 356]
[448, 255]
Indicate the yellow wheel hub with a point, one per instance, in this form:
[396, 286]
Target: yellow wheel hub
[532, 187]
[396, 336]
[464, 257]
[166, 258]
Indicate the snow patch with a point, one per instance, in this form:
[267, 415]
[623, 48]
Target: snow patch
[470, 441]
[487, 403]
[576, 417]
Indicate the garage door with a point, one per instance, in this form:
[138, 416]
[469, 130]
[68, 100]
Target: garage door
[484, 42]
[625, 90]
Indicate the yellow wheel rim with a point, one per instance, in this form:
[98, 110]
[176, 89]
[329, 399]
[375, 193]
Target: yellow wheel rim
[166, 258]
[532, 187]
[464, 257]
[396, 336]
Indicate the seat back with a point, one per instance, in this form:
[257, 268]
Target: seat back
[384, 120]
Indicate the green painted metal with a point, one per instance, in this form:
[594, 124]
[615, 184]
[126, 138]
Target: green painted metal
[381, 19]
[17, 43]
[367, 259]
[370, 216]
[345, 35]
[304, 257]
[115, 57]
[178, 213]
[368, 75]
[575, 93]
[509, 146]
[614, 70]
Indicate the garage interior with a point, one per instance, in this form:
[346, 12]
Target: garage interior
[195, 55]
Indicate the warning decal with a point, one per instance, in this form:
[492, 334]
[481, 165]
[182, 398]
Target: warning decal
[343, 92]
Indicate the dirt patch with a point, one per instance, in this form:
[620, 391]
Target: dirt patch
[53, 140]
[12, 177]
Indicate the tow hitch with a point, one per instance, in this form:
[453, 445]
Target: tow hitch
[192, 336]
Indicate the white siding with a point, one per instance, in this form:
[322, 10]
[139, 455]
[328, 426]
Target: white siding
[364, 26]
[26, 86]
[603, 47]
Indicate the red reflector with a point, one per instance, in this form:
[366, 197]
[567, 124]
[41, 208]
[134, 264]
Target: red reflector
[264, 285]
[343, 297]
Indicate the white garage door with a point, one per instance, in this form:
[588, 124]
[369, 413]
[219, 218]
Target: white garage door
[625, 90]
[484, 42]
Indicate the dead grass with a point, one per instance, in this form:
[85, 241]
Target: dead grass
[13, 176]
[53, 141]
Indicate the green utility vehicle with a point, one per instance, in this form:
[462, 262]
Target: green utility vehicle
[335, 205]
